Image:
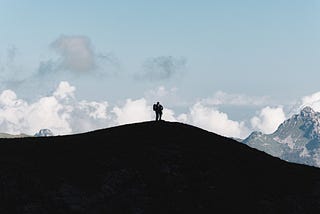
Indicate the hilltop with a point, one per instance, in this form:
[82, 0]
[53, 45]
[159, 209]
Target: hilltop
[150, 167]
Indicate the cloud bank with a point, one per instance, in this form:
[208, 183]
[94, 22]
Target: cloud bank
[63, 113]
[59, 112]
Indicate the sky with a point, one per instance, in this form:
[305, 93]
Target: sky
[231, 67]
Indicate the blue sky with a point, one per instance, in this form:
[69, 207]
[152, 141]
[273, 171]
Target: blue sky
[257, 51]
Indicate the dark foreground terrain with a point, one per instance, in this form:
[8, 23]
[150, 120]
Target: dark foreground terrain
[150, 168]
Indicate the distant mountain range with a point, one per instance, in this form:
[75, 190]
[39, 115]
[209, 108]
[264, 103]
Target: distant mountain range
[296, 139]
[41, 133]
[5, 135]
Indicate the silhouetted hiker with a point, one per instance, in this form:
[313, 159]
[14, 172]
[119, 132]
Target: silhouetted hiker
[158, 110]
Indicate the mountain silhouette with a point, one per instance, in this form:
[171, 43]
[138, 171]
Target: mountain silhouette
[150, 167]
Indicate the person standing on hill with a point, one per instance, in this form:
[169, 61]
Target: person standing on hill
[158, 110]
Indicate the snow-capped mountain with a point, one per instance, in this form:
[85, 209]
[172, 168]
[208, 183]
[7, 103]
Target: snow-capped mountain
[44, 133]
[296, 139]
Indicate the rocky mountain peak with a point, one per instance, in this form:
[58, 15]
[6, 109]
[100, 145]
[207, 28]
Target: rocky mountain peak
[44, 133]
[307, 112]
[297, 139]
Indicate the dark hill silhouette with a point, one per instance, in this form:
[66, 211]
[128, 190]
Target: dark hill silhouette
[150, 167]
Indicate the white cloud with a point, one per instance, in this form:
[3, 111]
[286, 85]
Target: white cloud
[48, 112]
[199, 115]
[312, 100]
[64, 90]
[94, 109]
[133, 111]
[76, 53]
[12, 110]
[183, 118]
[137, 111]
[268, 119]
[168, 115]
[8, 98]
[18, 116]
[89, 115]
[223, 98]
[60, 112]
[213, 120]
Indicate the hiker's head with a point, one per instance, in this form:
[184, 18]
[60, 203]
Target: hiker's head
[158, 103]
